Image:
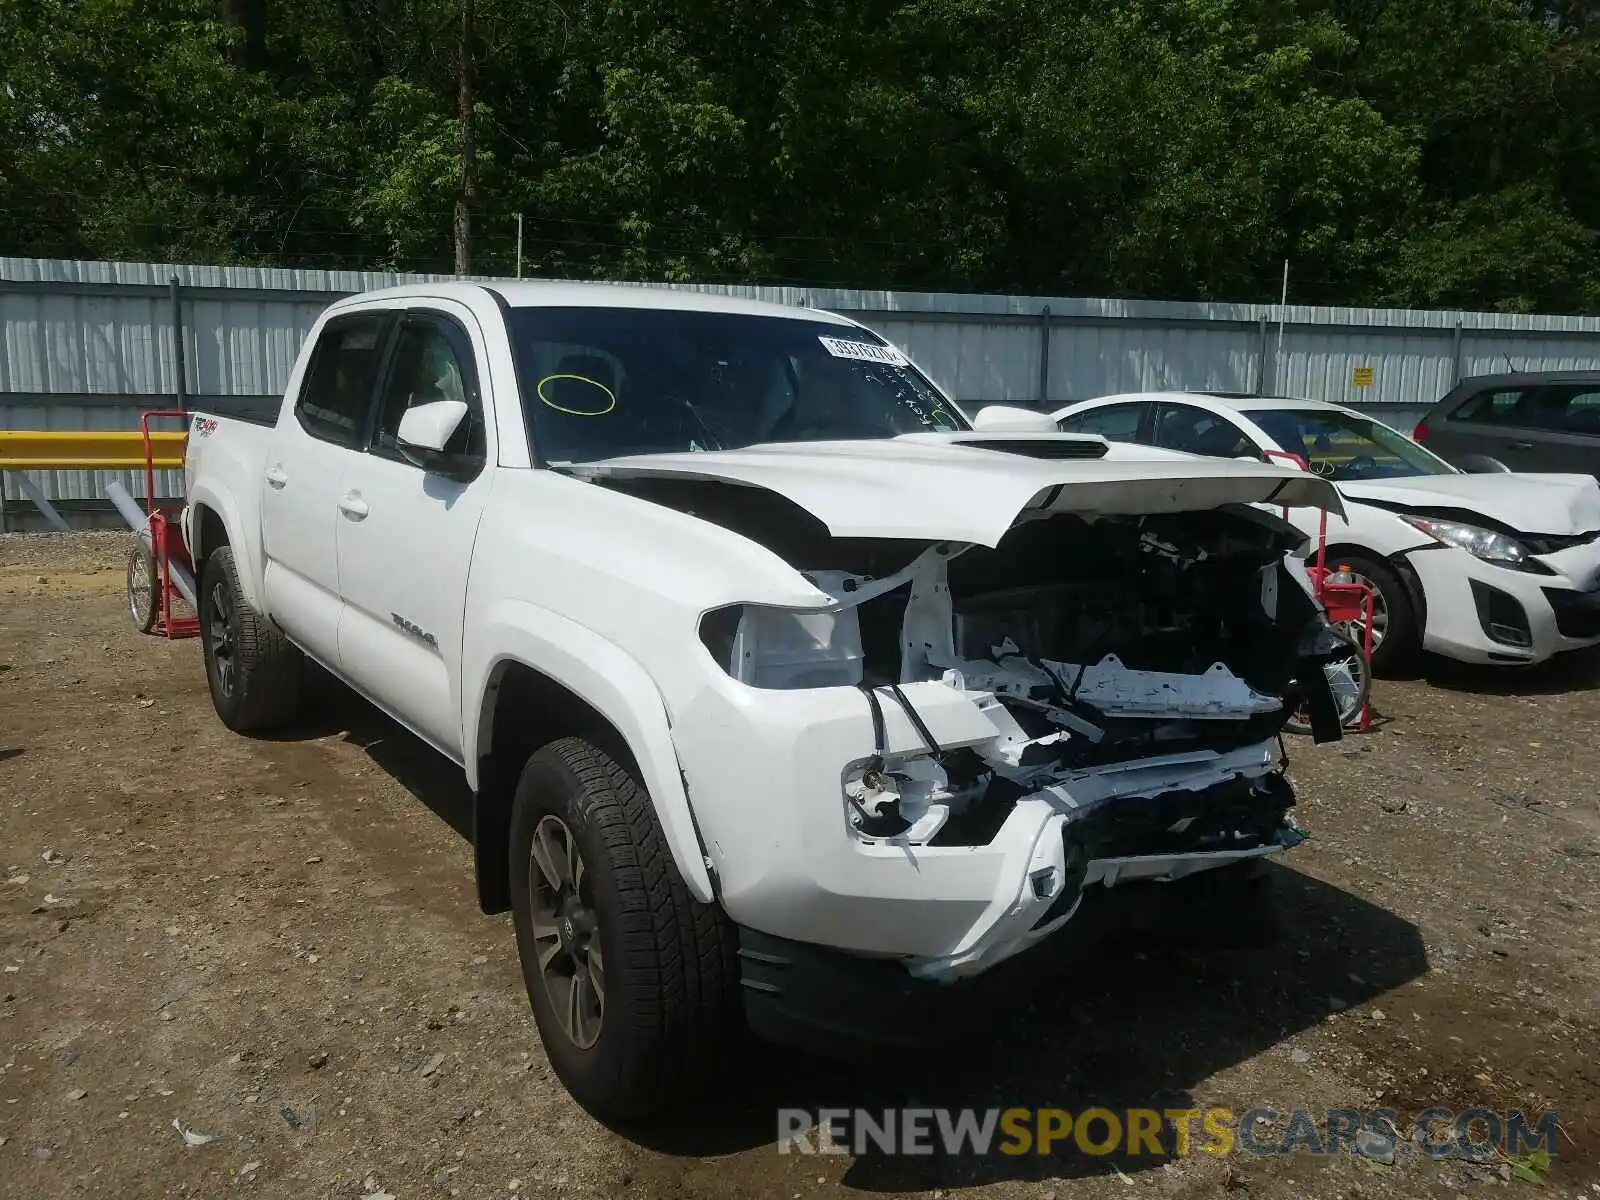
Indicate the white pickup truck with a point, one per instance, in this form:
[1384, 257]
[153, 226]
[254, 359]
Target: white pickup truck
[780, 685]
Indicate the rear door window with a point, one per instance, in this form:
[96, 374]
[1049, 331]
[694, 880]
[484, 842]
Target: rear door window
[1199, 431]
[1497, 407]
[1114, 422]
[338, 389]
[1580, 410]
[1547, 408]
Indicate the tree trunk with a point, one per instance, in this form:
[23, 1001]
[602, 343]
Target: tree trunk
[249, 16]
[467, 194]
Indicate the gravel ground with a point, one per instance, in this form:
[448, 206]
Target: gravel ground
[272, 949]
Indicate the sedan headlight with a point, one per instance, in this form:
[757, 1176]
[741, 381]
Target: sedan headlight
[1479, 542]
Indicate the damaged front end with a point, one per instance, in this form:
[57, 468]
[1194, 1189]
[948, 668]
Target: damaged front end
[1132, 675]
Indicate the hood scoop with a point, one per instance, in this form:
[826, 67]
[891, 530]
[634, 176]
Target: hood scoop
[1048, 446]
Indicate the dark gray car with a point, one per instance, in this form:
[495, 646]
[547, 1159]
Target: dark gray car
[1533, 421]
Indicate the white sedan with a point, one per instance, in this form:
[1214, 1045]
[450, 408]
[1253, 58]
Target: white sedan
[1488, 568]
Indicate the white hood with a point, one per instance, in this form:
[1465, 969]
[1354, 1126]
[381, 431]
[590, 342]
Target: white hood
[931, 487]
[1526, 502]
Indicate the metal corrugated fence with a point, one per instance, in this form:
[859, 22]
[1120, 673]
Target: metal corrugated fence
[89, 345]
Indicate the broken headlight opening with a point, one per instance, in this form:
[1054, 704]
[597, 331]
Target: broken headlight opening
[1088, 644]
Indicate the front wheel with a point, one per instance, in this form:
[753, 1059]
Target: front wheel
[633, 983]
[253, 670]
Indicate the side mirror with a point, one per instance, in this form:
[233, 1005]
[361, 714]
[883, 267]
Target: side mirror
[1481, 464]
[426, 430]
[1006, 418]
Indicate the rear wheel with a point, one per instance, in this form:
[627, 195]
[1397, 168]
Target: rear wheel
[253, 670]
[633, 982]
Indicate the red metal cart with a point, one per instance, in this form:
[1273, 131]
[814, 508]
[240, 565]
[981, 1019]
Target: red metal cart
[159, 568]
[1346, 602]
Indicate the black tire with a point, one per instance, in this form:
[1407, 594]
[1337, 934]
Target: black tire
[253, 670]
[143, 590]
[669, 981]
[1402, 640]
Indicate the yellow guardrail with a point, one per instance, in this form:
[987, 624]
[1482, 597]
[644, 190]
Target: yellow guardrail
[88, 450]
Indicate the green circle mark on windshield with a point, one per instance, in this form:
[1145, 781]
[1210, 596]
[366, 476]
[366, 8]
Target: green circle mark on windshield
[942, 420]
[610, 397]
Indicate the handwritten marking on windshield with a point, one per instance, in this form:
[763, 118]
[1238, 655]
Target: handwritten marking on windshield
[610, 396]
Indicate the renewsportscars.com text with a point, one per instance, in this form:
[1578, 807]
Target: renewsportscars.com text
[1473, 1133]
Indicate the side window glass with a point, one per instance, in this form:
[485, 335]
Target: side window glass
[1492, 408]
[432, 362]
[1200, 432]
[1114, 422]
[1581, 412]
[337, 393]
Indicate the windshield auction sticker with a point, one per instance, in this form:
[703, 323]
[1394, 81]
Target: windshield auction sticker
[863, 351]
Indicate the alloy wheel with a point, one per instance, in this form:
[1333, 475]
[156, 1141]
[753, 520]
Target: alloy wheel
[221, 634]
[566, 932]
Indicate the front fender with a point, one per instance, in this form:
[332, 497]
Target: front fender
[1379, 532]
[608, 679]
[242, 537]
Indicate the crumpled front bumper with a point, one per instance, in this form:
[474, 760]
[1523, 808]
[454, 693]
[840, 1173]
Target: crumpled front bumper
[1137, 824]
[1482, 613]
[765, 772]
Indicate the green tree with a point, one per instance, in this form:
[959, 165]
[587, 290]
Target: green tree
[1420, 152]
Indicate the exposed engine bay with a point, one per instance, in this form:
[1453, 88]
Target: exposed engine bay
[1094, 646]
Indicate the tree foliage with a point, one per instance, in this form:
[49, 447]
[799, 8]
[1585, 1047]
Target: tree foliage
[1413, 152]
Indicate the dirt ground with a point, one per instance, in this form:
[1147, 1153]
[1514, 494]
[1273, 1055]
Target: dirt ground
[275, 945]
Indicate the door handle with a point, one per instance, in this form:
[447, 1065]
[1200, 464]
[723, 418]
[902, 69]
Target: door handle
[276, 476]
[1522, 445]
[353, 506]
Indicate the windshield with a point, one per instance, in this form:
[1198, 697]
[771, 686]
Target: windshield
[602, 382]
[1347, 448]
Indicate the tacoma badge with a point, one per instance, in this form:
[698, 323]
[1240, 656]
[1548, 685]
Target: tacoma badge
[414, 630]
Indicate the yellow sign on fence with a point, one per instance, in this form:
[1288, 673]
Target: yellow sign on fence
[1361, 376]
